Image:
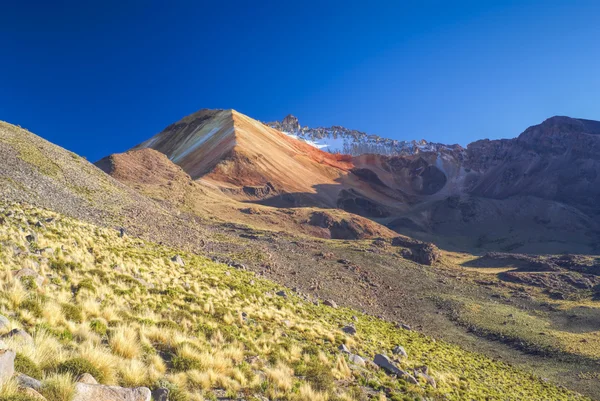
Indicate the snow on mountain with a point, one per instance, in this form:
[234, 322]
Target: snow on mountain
[338, 139]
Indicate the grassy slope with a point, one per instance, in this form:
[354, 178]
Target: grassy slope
[36, 171]
[136, 318]
[539, 324]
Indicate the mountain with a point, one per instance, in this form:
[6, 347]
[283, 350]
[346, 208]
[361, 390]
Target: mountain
[246, 158]
[539, 188]
[534, 193]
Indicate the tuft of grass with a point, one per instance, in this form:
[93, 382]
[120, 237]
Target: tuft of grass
[29, 283]
[184, 363]
[23, 364]
[34, 306]
[63, 266]
[86, 284]
[79, 366]
[17, 397]
[125, 343]
[72, 312]
[317, 374]
[58, 387]
[98, 327]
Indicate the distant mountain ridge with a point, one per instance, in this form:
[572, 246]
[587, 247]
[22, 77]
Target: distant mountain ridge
[337, 139]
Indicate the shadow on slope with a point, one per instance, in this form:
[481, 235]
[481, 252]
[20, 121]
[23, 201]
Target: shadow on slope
[523, 224]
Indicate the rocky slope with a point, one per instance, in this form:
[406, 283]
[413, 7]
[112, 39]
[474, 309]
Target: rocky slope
[153, 174]
[36, 171]
[542, 184]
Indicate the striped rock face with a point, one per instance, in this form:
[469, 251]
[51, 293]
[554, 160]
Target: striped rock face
[232, 150]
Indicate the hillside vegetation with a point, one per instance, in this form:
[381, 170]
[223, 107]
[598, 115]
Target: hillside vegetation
[133, 313]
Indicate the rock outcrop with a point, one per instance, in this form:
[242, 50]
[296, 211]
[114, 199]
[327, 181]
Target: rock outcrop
[385, 363]
[421, 252]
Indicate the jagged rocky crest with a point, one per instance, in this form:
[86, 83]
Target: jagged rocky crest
[337, 139]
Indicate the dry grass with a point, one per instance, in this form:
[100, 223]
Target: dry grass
[124, 342]
[139, 320]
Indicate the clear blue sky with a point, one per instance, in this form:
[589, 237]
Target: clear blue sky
[100, 77]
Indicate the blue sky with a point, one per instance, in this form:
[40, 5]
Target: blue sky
[100, 77]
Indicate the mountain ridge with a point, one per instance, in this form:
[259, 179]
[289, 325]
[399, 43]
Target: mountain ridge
[391, 147]
[443, 194]
[338, 139]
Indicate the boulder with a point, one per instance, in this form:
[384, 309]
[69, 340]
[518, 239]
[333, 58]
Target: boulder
[349, 329]
[384, 362]
[430, 380]
[98, 392]
[344, 349]
[356, 360]
[331, 303]
[7, 365]
[39, 280]
[403, 326]
[160, 394]
[399, 350]
[20, 335]
[48, 251]
[421, 252]
[25, 381]
[426, 254]
[281, 294]
[144, 283]
[177, 259]
[407, 254]
[32, 394]
[86, 378]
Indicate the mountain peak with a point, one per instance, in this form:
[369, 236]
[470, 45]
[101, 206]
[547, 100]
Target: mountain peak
[290, 124]
[572, 124]
[560, 134]
[226, 146]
